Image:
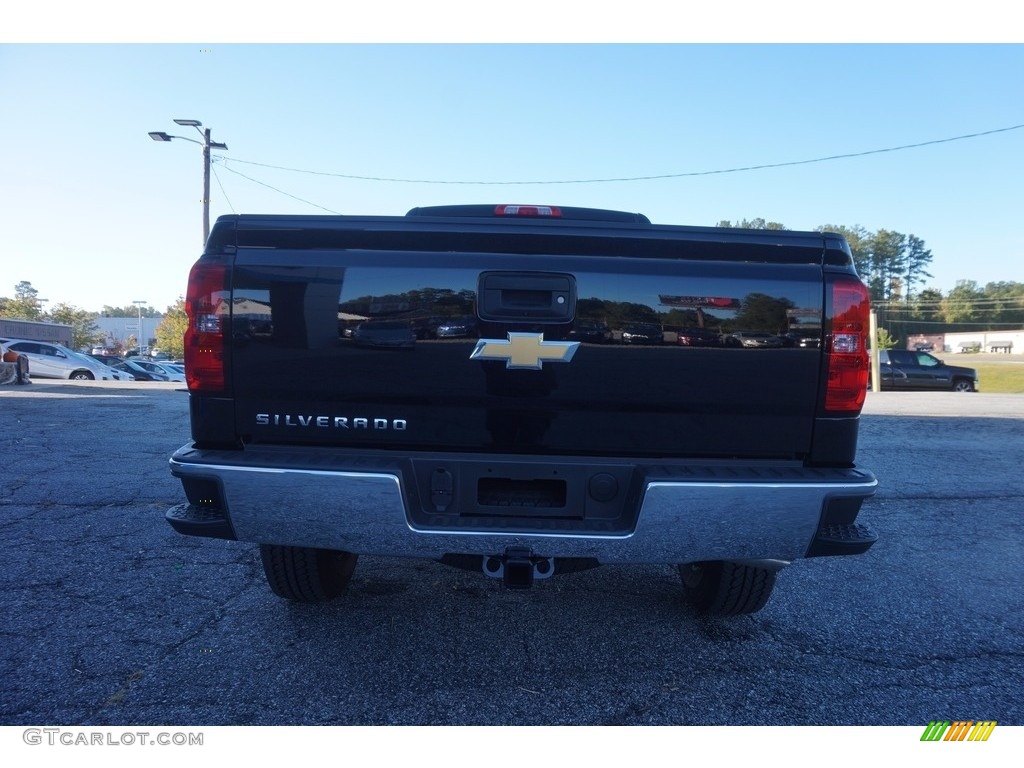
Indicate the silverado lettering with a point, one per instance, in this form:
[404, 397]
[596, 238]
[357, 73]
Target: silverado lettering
[587, 388]
[338, 422]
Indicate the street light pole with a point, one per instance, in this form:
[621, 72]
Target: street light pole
[138, 303]
[206, 144]
[206, 185]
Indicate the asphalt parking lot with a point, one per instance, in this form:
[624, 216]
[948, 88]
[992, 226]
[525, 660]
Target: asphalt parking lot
[110, 618]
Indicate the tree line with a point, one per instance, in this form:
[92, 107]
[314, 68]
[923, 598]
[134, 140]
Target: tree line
[966, 307]
[894, 266]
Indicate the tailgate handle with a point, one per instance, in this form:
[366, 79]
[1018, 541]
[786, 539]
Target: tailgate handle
[538, 296]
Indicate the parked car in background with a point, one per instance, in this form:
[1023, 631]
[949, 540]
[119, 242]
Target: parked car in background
[698, 337]
[457, 327]
[117, 375]
[136, 370]
[47, 360]
[423, 327]
[109, 360]
[122, 375]
[642, 333]
[385, 334]
[805, 339]
[591, 332]
[757, 339]
[905, 369]
[171, 373]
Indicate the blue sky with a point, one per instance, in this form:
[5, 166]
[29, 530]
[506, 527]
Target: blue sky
[93, 212]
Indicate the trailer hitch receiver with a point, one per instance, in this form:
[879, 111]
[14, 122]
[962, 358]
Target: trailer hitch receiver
[518, 567]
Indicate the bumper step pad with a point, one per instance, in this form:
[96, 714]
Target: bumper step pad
[852, 539]
[193, 520]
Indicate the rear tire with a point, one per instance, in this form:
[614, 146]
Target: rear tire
[724, 588]
[306, 575]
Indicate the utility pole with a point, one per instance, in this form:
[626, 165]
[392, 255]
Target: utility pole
[206, 185]
[206, 144]
[876, 371]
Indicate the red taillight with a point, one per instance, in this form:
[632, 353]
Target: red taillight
[527, 210]
[207, 307]
[846, 346]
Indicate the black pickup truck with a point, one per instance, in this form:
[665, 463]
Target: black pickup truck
[431, 385]
[916, 369]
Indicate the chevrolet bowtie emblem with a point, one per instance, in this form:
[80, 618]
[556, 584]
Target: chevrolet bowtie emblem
[526, 351]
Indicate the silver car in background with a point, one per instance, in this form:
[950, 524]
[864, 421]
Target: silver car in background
[48, 360]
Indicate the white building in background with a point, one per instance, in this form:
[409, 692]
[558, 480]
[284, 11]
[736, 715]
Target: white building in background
[116, 330]
[994, 342]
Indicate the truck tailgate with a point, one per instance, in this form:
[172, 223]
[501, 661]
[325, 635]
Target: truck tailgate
[367, 348]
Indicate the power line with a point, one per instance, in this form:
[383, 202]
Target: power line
[968, 304]
[947, 325]
[1016, 302]
[625, 178]
[223, 191]
[280, 191]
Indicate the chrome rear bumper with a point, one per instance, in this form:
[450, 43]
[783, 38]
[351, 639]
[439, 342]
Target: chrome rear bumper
[730, 513]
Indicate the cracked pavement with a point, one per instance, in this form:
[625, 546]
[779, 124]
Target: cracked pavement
[110, 618]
